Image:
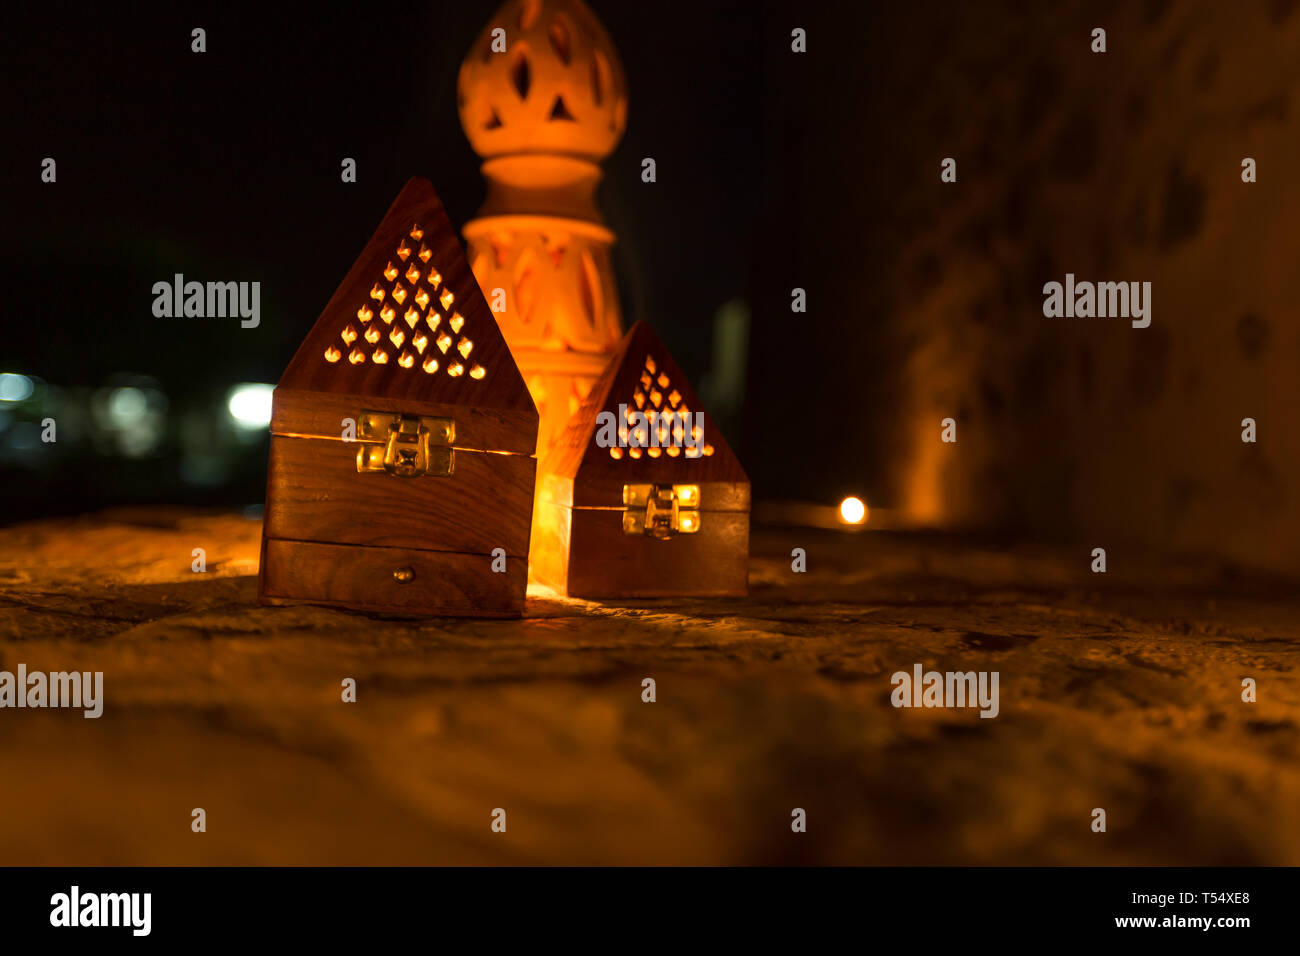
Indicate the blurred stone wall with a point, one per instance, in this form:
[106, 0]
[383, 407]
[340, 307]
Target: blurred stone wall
[1117, 166]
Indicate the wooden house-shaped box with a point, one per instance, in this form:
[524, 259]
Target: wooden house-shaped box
[401, 474]
[642, 496]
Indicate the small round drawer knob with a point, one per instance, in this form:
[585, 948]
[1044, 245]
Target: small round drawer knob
[404, 575]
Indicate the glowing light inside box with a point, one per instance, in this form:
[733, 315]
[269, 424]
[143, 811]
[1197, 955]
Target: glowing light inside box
[853, 510]
[655, 397]
[249, 405]
[424, 287]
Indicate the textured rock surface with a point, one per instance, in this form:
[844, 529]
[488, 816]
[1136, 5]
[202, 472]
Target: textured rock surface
[1122, 693]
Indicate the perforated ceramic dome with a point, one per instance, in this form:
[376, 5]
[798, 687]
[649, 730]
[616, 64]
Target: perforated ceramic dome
[558, 87]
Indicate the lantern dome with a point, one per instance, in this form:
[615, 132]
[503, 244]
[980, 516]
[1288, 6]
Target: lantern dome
[543, 77]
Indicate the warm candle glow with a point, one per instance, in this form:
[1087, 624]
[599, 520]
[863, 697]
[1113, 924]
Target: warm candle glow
[853, 511]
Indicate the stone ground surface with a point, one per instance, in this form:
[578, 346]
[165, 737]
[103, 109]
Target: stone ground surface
[1120, 692]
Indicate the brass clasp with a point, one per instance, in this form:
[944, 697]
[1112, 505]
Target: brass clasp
[661, 511]
[405, 446]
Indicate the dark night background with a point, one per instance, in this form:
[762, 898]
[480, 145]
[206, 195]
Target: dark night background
[1122, 690]
[225, 166]
[775, 170]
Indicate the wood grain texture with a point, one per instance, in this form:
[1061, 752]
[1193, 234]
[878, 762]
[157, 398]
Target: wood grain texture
[302, 572]
[332, 534]
[581, 549]
[598, 478]
[502, 386]
[321, 414]
[714, 495]
[603, 562]
[314, 493]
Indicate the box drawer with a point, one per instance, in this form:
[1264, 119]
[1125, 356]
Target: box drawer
[366, 578]
[603, 562]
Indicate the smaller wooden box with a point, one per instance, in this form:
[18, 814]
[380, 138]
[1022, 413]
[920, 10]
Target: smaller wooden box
[401, 474]
[638, 506]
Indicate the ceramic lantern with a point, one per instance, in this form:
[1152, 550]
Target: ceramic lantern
[543, 101]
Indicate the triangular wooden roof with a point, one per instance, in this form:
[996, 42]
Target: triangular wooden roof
[409, 322]
[641, 375]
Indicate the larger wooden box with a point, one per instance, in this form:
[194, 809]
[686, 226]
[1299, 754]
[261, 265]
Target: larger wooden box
[622, 514]
[401, 474]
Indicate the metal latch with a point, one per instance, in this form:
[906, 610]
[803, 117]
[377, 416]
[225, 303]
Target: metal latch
[661, 511]
[406, 446]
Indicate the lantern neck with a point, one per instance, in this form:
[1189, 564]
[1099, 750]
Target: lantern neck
[535, 185]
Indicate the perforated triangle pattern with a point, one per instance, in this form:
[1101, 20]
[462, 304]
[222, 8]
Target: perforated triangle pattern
[599, 472]
[402, 319]
[409, 320]
[668, 413]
